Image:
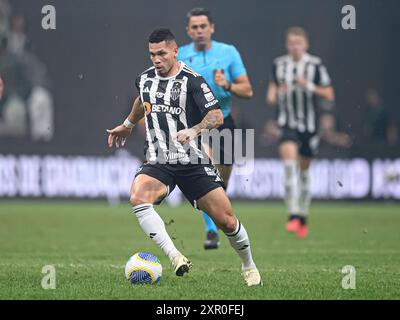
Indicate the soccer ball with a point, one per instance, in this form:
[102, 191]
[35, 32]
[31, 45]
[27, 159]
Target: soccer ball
[143, 267]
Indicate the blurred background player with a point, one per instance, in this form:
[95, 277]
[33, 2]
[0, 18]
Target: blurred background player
[222, 67]
[298, 79]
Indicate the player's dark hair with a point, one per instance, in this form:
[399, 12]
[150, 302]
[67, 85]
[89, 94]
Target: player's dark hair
[161, 34]
[298, 31]
[195, 12]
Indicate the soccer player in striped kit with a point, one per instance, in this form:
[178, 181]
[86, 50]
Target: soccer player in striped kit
[178, 107]
[298, 80]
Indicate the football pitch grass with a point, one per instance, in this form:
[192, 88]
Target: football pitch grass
[89, 243]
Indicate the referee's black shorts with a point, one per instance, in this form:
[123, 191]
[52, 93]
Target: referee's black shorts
[194, 180]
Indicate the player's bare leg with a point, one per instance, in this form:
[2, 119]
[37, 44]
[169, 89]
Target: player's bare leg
[289, 154]
[212, 238]
[146, 191]
[304, 195]
[217, 204]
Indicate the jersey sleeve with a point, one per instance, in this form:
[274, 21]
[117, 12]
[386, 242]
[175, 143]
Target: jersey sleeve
[236, 67]
[202, 95]
[137, 85]
[322, 77]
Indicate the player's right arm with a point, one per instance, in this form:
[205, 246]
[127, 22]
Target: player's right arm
[122, 131]
[209, 108]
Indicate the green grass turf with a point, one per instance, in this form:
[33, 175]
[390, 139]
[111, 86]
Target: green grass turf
[89, 243]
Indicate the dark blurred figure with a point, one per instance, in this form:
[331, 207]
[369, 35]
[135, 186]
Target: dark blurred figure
[378, 126]
[27, 105]
[329, 133]
[13, 111]
[4, 17]
[17, 39]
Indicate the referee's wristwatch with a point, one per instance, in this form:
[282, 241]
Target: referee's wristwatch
[229, 86]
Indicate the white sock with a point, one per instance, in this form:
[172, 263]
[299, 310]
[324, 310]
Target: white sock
[304, 196]
[291, 196]
[240, 242]
[154, 227]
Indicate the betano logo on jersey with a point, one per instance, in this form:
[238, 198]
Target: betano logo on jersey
[161, 108]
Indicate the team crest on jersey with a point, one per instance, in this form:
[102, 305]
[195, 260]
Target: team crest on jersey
[176, 90]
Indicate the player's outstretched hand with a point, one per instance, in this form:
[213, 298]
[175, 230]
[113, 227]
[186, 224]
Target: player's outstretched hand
[186, 135]
[118, 135]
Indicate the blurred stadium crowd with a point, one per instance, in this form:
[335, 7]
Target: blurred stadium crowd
[26, 107]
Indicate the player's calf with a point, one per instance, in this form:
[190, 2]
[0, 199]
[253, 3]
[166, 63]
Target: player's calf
[219, 207]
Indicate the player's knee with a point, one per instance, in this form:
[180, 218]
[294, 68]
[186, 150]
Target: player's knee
[138, 199]
[135, 200]
[228, 224]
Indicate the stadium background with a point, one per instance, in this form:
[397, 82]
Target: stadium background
[99, 47]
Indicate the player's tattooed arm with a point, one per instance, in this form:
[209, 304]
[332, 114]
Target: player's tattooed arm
[213, 119]
[119, 134]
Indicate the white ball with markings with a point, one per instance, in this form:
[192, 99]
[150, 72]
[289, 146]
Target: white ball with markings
[143, 268]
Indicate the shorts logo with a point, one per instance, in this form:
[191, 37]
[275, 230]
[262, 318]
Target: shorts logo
[212, 171]
[139, 169]
[176, 90]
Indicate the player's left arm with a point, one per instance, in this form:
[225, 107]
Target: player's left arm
[321, 86]
[241, 86]
[121, 132]
[209, 108]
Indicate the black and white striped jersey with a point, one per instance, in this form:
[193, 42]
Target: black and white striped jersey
[298, 106]
[173, 104]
